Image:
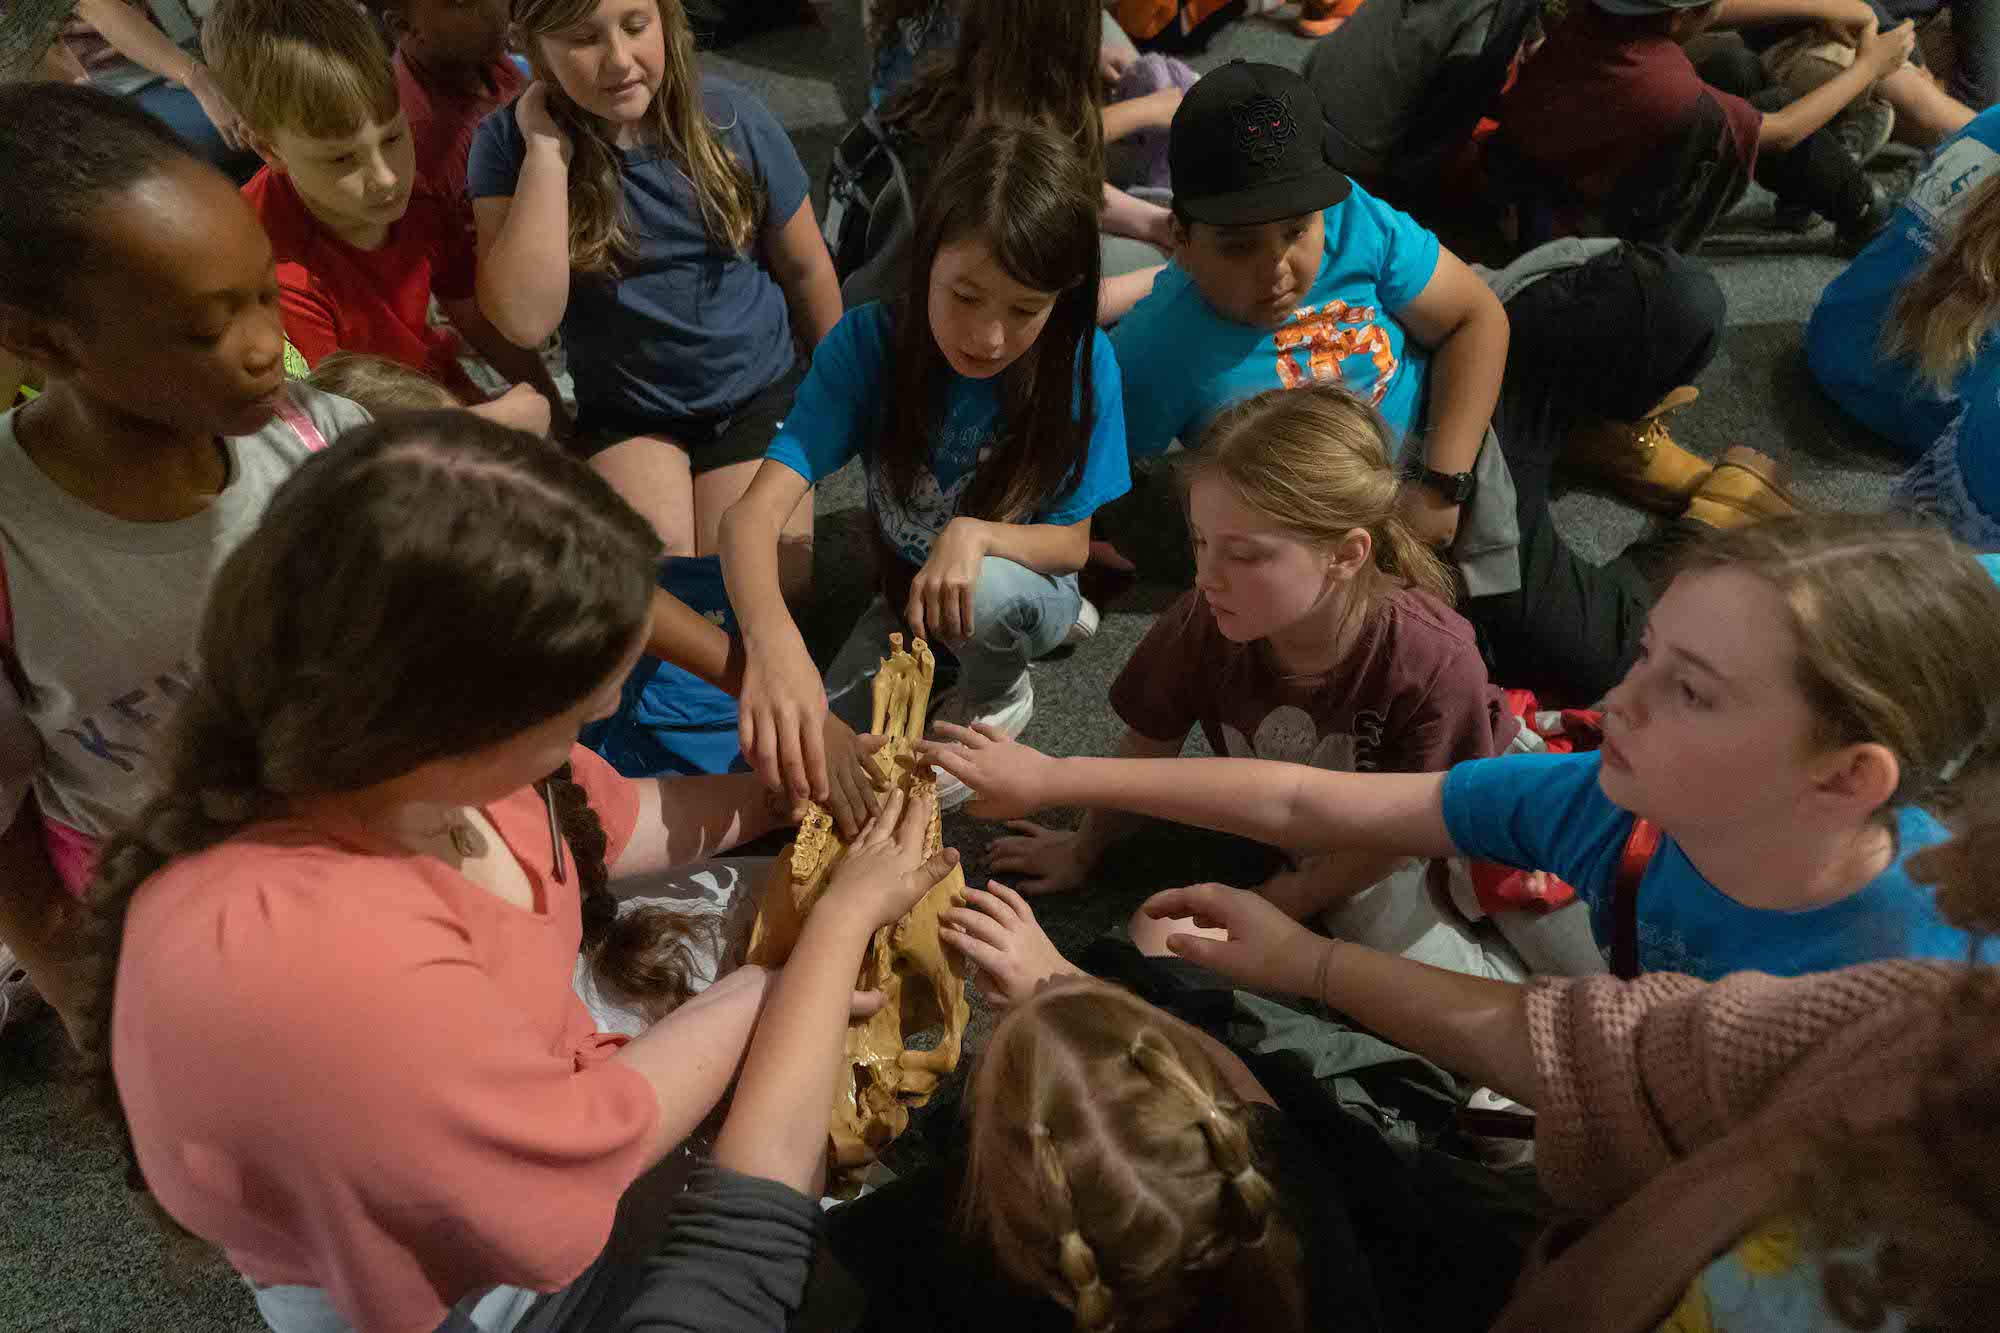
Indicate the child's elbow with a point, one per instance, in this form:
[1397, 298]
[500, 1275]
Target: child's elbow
[516, 320]
[1778, 135]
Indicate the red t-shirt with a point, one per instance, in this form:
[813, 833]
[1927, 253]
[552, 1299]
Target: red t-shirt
[350, 1067]
[340, 299]
[442, 120]
[1599, 98]
[1411, 697]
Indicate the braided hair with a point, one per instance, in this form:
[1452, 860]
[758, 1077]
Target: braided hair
[335, 643]
[1111, 1169]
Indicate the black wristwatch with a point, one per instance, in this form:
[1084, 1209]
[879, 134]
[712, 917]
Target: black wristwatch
[1454, 486]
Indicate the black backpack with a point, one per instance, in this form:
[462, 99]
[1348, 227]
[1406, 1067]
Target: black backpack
[871, 213]
[1404, 82]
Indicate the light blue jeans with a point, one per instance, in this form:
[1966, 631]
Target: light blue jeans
[1017, 616]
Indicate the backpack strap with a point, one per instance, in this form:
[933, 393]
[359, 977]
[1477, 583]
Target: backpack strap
[302, 425]
[1640, 844]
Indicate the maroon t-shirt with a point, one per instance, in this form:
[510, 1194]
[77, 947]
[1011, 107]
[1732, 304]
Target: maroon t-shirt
[1600, 97]
[1411, 697]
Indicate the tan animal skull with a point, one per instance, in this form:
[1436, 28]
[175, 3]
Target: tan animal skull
[924, 984]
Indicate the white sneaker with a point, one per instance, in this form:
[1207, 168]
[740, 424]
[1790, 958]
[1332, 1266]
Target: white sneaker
[18, 996]
[1009, 716]
[1086, 624]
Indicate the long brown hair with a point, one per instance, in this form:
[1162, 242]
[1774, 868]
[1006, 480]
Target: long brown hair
[600, 239]
[1897, 629]
[1111, 1169]
[1015, 60]
[334, 646]
[1944, 313]
[1026, 193]
[1315, 461]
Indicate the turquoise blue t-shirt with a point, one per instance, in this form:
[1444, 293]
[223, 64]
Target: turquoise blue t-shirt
[1546, 812]
[1183, 363]
[1978, 435]
[1843, 337]
[836, 412]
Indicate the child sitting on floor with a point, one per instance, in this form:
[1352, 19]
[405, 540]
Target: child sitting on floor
[1123, 1170]
[1319, 632]
[660, 218]
[1031, 59]
[408, 848]
[142, 285]
[1809, 689]
[1901, 339]
[453, 70]
[985, 409]
[1285, 273]
[360, 250]
[1610, 112]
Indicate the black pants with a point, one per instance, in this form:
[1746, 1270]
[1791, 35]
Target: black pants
[1817, 172]
[1609, 338]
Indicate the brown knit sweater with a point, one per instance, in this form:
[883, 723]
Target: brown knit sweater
[1672, 1110]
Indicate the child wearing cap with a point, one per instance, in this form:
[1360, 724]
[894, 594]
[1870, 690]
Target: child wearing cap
[1287, 273]
[1630, 135]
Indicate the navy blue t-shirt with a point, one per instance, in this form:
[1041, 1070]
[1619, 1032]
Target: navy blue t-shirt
[684, 330]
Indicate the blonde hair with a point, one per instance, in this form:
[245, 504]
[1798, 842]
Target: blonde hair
[379, 384]
[1897, 629]
[600, 238]
[1315, 461]
[1111, 1169]
[1944, 313]
[316, 67]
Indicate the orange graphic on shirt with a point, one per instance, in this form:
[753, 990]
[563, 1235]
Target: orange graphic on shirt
[1319, 334]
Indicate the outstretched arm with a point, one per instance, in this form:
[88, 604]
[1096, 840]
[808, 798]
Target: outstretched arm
[1471, 1025]
[690, 818]
[1286, 805]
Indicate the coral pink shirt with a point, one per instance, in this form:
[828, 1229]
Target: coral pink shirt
[350, 1067]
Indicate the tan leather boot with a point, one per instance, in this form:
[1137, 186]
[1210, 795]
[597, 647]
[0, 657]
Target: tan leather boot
[1746, 487]
[1638, 460]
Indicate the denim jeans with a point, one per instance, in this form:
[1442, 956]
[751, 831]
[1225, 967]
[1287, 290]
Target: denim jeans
[1017, 616]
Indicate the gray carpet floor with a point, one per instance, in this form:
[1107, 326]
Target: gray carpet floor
[76, 1255]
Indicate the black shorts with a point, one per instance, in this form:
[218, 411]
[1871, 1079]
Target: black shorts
[710, 442]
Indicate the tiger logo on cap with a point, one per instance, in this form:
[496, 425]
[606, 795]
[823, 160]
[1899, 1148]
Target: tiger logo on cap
[1264, 127]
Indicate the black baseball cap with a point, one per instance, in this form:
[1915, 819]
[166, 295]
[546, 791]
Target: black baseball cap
[1248, 145]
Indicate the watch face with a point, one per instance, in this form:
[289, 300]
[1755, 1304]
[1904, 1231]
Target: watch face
[1454, 486]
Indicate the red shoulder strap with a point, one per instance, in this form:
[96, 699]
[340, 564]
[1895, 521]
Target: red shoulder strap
[1640, 844]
